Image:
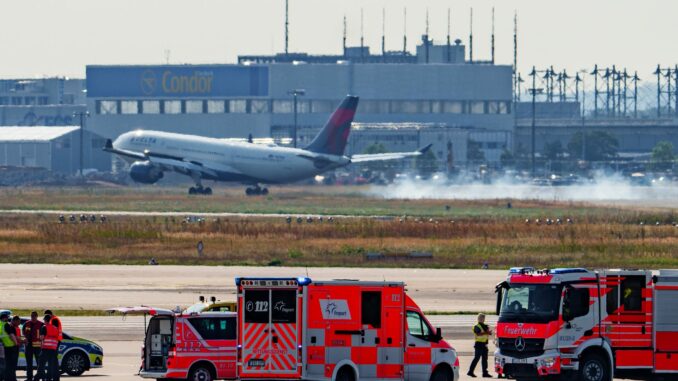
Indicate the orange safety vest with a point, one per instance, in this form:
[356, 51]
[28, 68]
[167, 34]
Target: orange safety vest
[60, 329]
[51, 339]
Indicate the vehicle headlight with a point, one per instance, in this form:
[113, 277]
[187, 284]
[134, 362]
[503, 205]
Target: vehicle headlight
[548, 362]
[96, 348]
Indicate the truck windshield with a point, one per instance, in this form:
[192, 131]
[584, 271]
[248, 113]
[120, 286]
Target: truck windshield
[530, 303]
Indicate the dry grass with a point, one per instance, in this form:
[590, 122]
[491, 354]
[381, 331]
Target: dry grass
[601, 240]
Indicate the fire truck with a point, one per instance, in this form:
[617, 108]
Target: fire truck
[587, 325]
[198, 346]
[343, 330]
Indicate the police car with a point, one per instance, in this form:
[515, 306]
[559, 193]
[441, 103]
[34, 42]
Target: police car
[76, 355]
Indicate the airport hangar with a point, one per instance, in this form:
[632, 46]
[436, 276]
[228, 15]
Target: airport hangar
[253, 97]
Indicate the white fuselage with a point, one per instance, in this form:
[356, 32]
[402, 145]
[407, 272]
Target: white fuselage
[230, 160]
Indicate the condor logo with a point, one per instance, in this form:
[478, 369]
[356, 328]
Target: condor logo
[335, 309]
[199, 82]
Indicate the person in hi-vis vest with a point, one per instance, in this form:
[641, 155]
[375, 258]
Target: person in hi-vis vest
[482, 333]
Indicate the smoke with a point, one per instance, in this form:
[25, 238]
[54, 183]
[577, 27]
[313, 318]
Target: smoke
[603, 188]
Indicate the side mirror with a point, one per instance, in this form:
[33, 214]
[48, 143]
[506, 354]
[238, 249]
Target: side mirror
[499, 289]
[439, 334]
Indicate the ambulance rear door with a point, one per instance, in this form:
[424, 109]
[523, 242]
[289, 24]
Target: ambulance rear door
[270, 328]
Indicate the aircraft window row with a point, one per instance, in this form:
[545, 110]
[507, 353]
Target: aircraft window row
[285, 106]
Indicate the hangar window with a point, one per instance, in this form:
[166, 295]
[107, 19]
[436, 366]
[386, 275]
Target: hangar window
[282, 107]
[216, 107]
[108, 107]
[453, 107]
[172, 107]
[193, 107]
[29, 101]
[258, 106]
[375, 107]
[4, 101]
[303, 107]
[436, 107]
[322, 106]
[405, 107]
[150, 107]
[238, 106]
[477, 107]
[129, 107]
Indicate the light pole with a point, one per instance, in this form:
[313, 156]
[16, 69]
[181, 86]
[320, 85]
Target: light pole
[295, 93]
[534, 91]
[82, 115]
[583, 114]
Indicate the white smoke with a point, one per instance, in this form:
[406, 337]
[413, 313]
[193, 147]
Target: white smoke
[603, 188]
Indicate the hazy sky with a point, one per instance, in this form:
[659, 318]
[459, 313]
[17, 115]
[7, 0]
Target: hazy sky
[49, 37]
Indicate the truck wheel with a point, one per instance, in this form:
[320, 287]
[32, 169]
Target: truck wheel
[442, 375]
[594, 368]
[74, 363]
[200, 373]
[345, 374]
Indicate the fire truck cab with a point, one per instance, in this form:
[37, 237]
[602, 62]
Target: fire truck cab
[587, 325]
[344, 330]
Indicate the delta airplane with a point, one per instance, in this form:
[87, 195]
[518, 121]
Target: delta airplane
[151, 153]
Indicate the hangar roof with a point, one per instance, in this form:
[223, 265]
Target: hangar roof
[33, 134]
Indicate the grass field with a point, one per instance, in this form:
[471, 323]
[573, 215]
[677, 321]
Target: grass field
[457, 234]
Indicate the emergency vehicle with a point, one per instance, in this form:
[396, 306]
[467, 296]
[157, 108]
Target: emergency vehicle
[195, 346]
[343, 330]
[588, 325]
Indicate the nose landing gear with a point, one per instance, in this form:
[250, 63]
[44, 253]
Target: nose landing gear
[256, 191]
[199, 190]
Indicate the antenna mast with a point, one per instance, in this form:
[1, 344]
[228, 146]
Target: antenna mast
[470, 37]
[344, 38]
[383, 31]
[448, 35]
[287, 26]
[404, 31]
[492, 36]
[362, 36]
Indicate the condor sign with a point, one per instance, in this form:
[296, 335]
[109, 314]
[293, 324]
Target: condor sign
[170, 81]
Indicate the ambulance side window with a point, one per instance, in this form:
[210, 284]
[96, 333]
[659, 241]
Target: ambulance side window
[612, 300]
[417, 327]
[371, 308]
[632, 294]
[215, 328]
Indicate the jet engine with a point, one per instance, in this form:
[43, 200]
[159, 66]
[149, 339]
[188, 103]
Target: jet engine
[145, 172]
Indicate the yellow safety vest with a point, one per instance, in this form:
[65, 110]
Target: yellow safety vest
[7, 341]
[484, 338]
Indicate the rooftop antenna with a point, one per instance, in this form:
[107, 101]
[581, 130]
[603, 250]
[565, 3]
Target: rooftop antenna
[383, 31]
[167, 53]
[287, 25]
[492, 35]
[362, 36]
[426, 37]
[404, 31]
[470, 37]
[344, 38]
[448, 35]
[515, 51]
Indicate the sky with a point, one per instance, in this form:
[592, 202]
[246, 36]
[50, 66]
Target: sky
[59, 38]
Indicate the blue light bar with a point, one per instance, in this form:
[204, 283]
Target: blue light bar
[568, 271]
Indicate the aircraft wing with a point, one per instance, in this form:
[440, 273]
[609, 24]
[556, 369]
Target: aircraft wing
[166, 162]
[388, 156]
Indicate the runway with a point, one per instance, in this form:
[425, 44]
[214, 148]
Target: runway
[105, 286]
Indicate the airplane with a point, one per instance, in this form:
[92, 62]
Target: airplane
[151, 153]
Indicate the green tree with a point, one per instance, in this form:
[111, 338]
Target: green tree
[600, 145]
[553, 150]
[662, 155]
[376, 166]
[427, 163]
[474, 152]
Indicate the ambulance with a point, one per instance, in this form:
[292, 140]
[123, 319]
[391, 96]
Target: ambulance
[340, 330]
[195, 346]
[574, 323]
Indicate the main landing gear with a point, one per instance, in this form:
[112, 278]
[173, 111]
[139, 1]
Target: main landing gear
[200, 190]
[256, 191]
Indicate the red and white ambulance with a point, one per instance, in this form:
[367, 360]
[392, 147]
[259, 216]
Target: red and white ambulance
[344, 330]
[588, 325]
[194, 346]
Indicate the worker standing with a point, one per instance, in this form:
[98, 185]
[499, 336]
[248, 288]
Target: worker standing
[2, 348]
[33, 343]
[482, 334]
[11, 343]
[48, 366]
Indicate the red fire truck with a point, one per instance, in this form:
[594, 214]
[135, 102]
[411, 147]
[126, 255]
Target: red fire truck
[343, 330]
[588, 325]
[198, 346]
